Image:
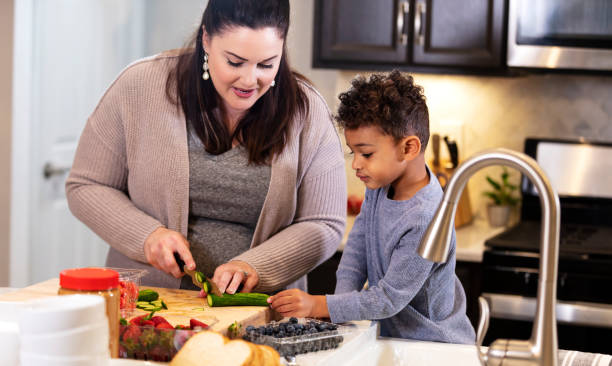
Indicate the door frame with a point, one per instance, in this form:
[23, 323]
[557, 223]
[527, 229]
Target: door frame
[21, 172]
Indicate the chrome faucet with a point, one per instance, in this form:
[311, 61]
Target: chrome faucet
[541, 348]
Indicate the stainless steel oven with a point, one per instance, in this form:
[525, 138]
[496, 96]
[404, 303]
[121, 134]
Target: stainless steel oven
[560, 34]
[581, 173]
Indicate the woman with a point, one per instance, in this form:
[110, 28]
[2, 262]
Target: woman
[218, 152]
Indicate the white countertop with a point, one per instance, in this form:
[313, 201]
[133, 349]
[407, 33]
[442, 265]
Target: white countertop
[470, 238]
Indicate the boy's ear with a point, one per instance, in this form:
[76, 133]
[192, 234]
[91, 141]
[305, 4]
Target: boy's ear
[411, 147]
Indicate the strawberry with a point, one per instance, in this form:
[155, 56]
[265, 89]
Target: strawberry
[132, 332]
[164, 326]
[159, 320]
[194, 323]
[138, 320]
[146, 323]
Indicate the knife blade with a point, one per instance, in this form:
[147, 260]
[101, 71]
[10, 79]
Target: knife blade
[197, 277]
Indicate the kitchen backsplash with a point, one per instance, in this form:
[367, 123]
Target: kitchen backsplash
[502, 111]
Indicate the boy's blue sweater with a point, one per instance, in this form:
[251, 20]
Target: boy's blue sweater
[411, 296]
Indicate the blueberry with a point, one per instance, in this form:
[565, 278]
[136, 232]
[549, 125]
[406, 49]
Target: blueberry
[250, 329]
[290, 329]
[293, 320]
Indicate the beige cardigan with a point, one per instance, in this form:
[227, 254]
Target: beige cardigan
[131, 175]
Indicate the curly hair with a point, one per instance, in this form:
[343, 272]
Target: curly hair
[393, 102]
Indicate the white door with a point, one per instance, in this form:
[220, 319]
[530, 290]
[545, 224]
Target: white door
[67, 52]
[76, 48]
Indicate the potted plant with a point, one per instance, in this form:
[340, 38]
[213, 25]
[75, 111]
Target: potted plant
[502, 199]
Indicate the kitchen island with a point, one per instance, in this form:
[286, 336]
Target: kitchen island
[182, 306]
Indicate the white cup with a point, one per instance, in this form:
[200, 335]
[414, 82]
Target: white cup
[29, 359]
[82, 341]
[9, 332]
[59, 313]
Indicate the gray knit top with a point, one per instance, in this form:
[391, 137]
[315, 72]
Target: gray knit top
[226, 195]
[411, 296]
[131, 175]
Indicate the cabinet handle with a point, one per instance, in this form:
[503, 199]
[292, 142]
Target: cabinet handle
[403, 9]
[419, 21]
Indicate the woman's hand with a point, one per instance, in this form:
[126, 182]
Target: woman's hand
[230, 275]
[160, 246]
[294, 302]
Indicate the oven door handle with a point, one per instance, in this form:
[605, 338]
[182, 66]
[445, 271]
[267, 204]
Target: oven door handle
[517, 307]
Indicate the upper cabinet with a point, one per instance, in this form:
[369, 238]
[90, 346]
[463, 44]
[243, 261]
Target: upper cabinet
[410, 34]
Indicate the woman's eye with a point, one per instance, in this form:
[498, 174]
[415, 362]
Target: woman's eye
[234, 64]
[264, 66]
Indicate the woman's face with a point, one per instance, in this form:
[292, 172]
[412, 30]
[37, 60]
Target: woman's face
[242, 64]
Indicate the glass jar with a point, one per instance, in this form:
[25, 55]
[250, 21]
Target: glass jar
[96, 281]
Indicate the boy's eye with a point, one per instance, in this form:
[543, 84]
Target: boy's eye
[366, 155]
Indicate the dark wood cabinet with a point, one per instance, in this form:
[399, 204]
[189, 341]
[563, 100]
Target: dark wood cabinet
[458, 33]
[470, 275]
[362, 31]
[410, 34]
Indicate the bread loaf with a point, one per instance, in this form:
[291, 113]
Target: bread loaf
[211, 348]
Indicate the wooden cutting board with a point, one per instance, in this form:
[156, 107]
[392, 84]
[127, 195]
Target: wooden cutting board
[182, 306]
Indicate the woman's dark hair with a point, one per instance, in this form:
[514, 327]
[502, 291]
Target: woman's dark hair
[392, 102]
[264, 129]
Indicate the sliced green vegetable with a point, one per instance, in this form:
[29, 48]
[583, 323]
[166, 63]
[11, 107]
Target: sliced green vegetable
[239, 299]
[199, 277]
[147, 295]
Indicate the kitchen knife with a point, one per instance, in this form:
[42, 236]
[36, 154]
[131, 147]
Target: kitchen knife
[452, 151]
[435, 140]
[197, 278]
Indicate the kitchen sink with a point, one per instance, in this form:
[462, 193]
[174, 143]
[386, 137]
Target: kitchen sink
[399, 352]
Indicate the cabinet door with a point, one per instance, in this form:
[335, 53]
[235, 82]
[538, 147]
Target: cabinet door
[458, 33]
[361, 31]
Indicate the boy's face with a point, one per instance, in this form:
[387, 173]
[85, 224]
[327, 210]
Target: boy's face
[378, 159]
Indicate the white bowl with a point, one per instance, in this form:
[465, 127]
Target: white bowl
[28, 359]
[9, 343]
[53, 314]
[82, 341]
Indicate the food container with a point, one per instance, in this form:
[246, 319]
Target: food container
[129, 285]
[156, 344]
[313, 335]
[96, 281]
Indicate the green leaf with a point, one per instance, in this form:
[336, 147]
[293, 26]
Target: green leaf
[148, 317]
[493, 196]
[495, 185]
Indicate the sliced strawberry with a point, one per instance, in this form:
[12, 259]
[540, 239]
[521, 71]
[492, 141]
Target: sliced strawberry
[193, 323]
[164, 326]
[138, 320]
[159, 320]
[146, 323]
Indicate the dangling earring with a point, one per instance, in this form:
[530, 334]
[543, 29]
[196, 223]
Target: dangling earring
[273, 83]
[205, 75]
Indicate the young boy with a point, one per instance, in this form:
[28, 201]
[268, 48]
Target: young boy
[386, 125]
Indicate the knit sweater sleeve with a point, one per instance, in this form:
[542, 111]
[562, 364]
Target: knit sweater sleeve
[97, 185]
[320, 215]
[352, 271]
[404, 278]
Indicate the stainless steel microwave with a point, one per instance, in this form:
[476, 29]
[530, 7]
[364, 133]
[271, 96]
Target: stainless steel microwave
[560, 34]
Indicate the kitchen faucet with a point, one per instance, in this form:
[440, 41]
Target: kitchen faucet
[541, 348]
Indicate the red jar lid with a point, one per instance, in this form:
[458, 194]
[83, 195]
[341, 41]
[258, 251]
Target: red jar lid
[89, 279]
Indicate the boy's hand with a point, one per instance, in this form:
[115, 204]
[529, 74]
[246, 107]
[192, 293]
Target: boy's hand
[298, 303]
